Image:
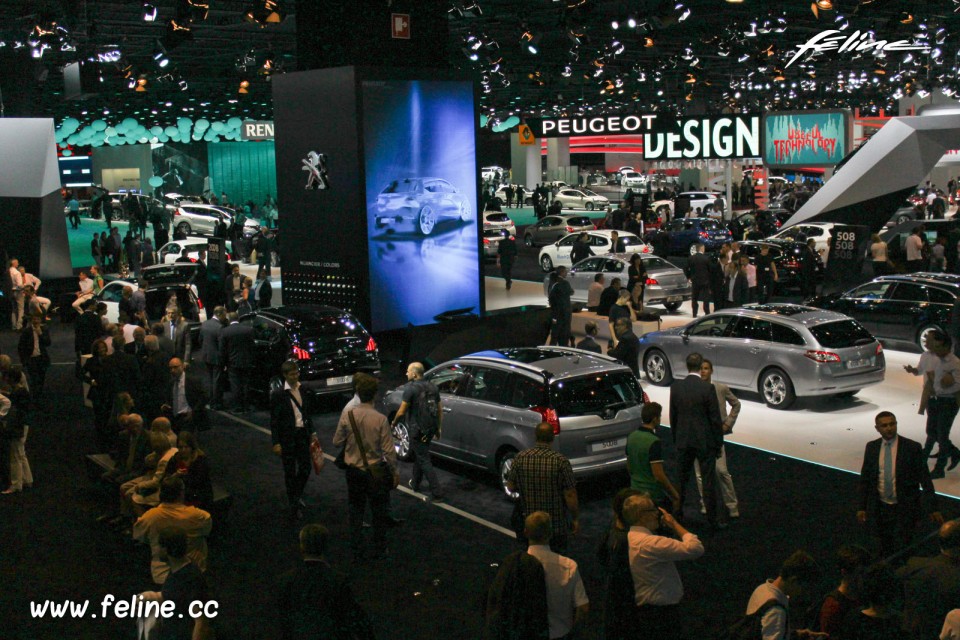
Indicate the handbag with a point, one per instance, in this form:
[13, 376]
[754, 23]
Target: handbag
[316, 454]
[380, 474]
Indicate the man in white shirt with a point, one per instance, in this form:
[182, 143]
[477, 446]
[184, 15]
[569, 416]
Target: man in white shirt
[594, 292]
[653, 559]
[567, 602]
[798, 572]
[16, 294]
[30, 280]
[914, 247]
[944, 384]
[924, 369]
[85, 292]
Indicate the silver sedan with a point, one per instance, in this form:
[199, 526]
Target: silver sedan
[666, 283]
[581, 199]
[781, 351]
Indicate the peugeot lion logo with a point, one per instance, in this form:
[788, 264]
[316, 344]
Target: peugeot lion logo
[315, 164]
[856, 42]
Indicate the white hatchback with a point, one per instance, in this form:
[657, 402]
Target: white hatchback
[558, 254]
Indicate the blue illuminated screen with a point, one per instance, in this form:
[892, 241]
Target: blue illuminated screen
[421, 191]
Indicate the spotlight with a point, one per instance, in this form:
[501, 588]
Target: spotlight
[631, 22]
[614, 25]
[141, 84]
[244, 87]
[530, 42]
[265, 12]
[183, 85]
[197, 9]
[149, 12]
[648, 41]
[684, 11]
[825, 5]
[906, 17]
[160, 57]
[691, 79]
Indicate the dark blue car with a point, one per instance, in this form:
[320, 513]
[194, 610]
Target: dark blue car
[685, 233]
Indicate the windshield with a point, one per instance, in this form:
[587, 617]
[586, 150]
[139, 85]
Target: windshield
[595, 394]
[841, 334]
[331, 333]
[401, 186]
[591, 193]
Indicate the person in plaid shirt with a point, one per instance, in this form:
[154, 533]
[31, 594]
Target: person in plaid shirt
[544, 480]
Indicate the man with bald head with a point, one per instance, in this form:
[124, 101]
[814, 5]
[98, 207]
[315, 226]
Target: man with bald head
[931, 586]
[417, 395]
[567, 602]
[186, 400]
[138, 348]
[653, 559]
[544, 480]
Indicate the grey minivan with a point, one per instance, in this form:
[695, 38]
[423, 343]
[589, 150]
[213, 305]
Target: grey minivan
[781, 351]
[493, 400]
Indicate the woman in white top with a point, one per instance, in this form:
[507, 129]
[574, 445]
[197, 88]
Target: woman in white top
[878, 254]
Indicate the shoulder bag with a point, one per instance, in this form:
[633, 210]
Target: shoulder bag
[380, 474]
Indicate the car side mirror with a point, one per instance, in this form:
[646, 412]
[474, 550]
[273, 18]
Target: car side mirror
[685, 336]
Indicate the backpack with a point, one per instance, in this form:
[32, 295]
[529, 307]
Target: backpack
[427, 409]
[750, 626]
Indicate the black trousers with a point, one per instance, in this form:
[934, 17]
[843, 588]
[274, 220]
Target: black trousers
[708, 471]
[764, 290]
[297, 465]
[894, 525]
[36, 370]
[661, 622]
[240, 387]
[215, 389]
[359, 494]
[700, 291]
[506, 270]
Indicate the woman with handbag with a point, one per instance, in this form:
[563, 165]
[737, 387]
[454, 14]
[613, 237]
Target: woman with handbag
[370, 462]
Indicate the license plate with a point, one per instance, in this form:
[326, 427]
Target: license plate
[332, 382]
[606, 445]
[675, 299]
[856, 364]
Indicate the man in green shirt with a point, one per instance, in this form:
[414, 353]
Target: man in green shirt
[645, 460]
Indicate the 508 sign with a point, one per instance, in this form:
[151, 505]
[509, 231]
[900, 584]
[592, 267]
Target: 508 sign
[844, 245]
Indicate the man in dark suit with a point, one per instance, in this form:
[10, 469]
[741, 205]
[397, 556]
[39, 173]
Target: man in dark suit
[232, 286]
[627, 350]
[138, 348]
[155, 378]
[178, 330]
[931, 586]
[238, 355]
[89, 327]
[291, 432]
[697, 430]
[314, 596]
[186, 400]
[164, 342]
[121, 372]
[210, 342]
[32, 348]
[698, 271]
[895, 486]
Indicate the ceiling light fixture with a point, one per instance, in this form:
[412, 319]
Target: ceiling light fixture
[244, 86]
[825, 5]
[149, 12]
[906, 17]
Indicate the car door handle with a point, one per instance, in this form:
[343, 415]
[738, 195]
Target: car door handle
[756, 350]
[494, 418]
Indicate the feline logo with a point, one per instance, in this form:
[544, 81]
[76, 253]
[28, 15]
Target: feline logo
[315, 164]
[857, 41]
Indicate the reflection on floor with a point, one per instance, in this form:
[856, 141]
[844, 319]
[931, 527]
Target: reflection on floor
[824, 431]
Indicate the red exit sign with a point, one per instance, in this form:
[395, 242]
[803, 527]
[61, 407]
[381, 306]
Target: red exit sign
[400, 25]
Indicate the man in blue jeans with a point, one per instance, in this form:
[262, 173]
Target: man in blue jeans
[420, 435]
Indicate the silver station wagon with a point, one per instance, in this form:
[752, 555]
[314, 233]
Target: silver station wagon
[493, 400]
[781, 351]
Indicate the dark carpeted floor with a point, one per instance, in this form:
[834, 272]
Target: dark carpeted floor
[431, 586]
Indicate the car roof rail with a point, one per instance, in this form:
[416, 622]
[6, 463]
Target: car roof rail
[546, 375]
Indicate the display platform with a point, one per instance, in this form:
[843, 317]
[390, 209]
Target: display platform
[825, 431]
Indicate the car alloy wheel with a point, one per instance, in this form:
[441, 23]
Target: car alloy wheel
[426, 220]
[465, 211]
[401, 440]
[528, 240]
[657, 368]
[777, 390]
[184, 228]
[546, 264]
[693, 249]
[504, 464]
[589, 206]
[923, 334]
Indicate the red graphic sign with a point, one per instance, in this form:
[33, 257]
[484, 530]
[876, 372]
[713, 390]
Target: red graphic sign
[400, 25]
[798, 139]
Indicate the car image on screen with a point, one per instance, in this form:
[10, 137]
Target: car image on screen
[419, 204]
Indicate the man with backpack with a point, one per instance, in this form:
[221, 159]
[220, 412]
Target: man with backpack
[421, 406]
[767, 613]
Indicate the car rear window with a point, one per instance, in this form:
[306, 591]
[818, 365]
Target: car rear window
[595, 394]
[712, 225]
[629, 241]
[332, 333]
[657, 263]
[498, 217]
[841, 334]
[579, 221]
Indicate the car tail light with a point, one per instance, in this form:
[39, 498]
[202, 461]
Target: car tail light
[651, 282]
[594, 227]
[550, 417]
[300, 353]
[646, 249]
[822, 356]
[371, 345]
[704, 234]
[646, 398]
[193, 260]
[486, 241]
[177, 212]
[199, 303]
[569, 229]
[228, 257]
[879, 348]
[487, 224]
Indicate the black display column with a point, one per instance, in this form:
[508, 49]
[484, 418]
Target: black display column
[334, 33]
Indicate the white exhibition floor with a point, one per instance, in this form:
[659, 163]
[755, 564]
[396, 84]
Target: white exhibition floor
[828, 432]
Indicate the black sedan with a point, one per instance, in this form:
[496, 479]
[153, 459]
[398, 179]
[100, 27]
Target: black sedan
[329, 344]
[789, 256]
[902, 308]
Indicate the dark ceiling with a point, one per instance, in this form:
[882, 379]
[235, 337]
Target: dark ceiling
[703, 55]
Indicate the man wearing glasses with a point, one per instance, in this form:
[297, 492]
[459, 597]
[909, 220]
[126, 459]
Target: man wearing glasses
[653, 567]
[894, 481]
